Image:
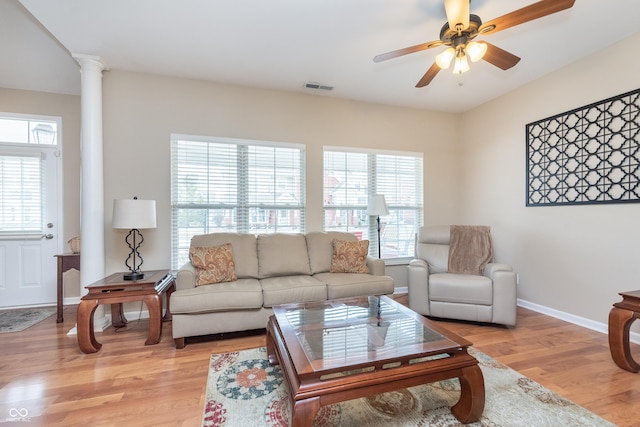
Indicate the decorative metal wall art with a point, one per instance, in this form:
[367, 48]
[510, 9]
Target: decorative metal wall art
[589, 155]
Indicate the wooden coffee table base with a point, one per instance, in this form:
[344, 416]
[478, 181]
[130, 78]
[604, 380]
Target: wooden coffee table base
[309, 393]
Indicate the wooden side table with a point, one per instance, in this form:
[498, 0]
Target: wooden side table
[115, 291]
[65, 262]
[621, 316]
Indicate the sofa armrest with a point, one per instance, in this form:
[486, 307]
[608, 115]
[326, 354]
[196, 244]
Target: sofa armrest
[418, 286]
[376, 266]
[186, 277]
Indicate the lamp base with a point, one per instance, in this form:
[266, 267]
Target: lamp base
[133, 276]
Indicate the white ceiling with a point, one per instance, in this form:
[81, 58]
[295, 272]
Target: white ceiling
[281, 44]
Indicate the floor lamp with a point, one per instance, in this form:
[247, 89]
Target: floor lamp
[134, 214]
[378, 206]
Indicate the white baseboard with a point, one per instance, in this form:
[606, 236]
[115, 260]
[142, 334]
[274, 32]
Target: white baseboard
[576, 320]
[71, 301]
[634, 337]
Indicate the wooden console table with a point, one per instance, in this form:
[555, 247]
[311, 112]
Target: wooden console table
[115, 291]
[621, 316]
[65, 262]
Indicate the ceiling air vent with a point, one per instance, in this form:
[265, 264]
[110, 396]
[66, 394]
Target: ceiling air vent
[317, 86]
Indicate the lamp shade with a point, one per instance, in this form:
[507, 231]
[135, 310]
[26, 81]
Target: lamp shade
[134, 213]
[377, 206]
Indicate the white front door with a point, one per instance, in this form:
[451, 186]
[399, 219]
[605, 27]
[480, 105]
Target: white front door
[27, 257]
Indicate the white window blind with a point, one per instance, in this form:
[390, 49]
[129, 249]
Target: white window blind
[20, 194]
[352, 176]
[227, 185]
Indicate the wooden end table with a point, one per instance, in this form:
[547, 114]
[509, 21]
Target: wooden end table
[115, 291]
[621, 316]
[332, 351]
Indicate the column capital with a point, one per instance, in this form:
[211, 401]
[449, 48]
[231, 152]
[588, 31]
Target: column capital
[90, 60]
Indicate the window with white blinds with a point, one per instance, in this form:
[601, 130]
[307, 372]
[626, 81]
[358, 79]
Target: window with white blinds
[352, 176]
[229, 185]
[20, 194]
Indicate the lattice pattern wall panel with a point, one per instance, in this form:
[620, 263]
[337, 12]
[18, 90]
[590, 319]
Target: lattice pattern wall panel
[587, 155]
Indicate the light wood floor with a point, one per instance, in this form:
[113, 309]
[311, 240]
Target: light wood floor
[129, 384]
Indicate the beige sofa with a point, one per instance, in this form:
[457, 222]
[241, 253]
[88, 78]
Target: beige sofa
[271, 269]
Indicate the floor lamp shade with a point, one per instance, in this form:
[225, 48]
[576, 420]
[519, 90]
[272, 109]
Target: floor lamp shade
[378, 206]
[134, 214]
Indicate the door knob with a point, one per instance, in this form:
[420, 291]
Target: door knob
[48, 236]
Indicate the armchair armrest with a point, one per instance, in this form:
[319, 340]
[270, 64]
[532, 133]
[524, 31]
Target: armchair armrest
[491, 268]
[418, 283]
[186, 277]
[376, 266]
[504, 292]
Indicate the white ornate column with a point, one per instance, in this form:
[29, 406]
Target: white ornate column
[91, 179]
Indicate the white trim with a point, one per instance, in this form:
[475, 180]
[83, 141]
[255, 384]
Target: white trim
[371, 151]
[401, 290]
[236, 141]
[634, 337]
[576, 320]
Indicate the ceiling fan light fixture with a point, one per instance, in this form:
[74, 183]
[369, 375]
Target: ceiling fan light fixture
[476, 50]
[444, 59]
[461, 65]
[457, 13]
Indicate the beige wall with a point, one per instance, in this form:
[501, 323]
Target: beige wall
[570, 258]
[574, 259]
[141, 111]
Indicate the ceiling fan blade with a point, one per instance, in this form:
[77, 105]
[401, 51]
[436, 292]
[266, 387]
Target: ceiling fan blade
[526, 14]
[500, 57]
[428, 76]
[406, 50]
[457, 13]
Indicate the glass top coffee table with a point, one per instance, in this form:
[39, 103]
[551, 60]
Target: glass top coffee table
[332, 351]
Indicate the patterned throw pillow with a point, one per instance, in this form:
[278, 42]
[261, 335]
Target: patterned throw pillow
[349, 257]
[213, 264]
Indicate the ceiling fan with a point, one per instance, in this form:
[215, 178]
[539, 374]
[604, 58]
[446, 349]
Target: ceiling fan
[462, 27]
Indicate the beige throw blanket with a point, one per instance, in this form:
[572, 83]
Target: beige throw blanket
[470, 249]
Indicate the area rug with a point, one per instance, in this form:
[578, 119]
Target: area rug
[244, 390]
[23, 318]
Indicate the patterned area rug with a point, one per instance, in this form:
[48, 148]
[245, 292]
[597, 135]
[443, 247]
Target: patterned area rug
[23, 318]
[244, 390]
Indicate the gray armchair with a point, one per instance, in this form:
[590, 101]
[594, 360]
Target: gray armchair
[435, 291]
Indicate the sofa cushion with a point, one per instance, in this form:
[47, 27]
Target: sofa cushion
[238, 295]
[460, 288]
[245, 252]
[344, 285]
[214, 264]
[292, 289]
[320, 247]
[349, 257]
[282, 255]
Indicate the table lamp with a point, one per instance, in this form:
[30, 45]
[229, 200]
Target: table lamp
[134, 214]
[377, 206]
